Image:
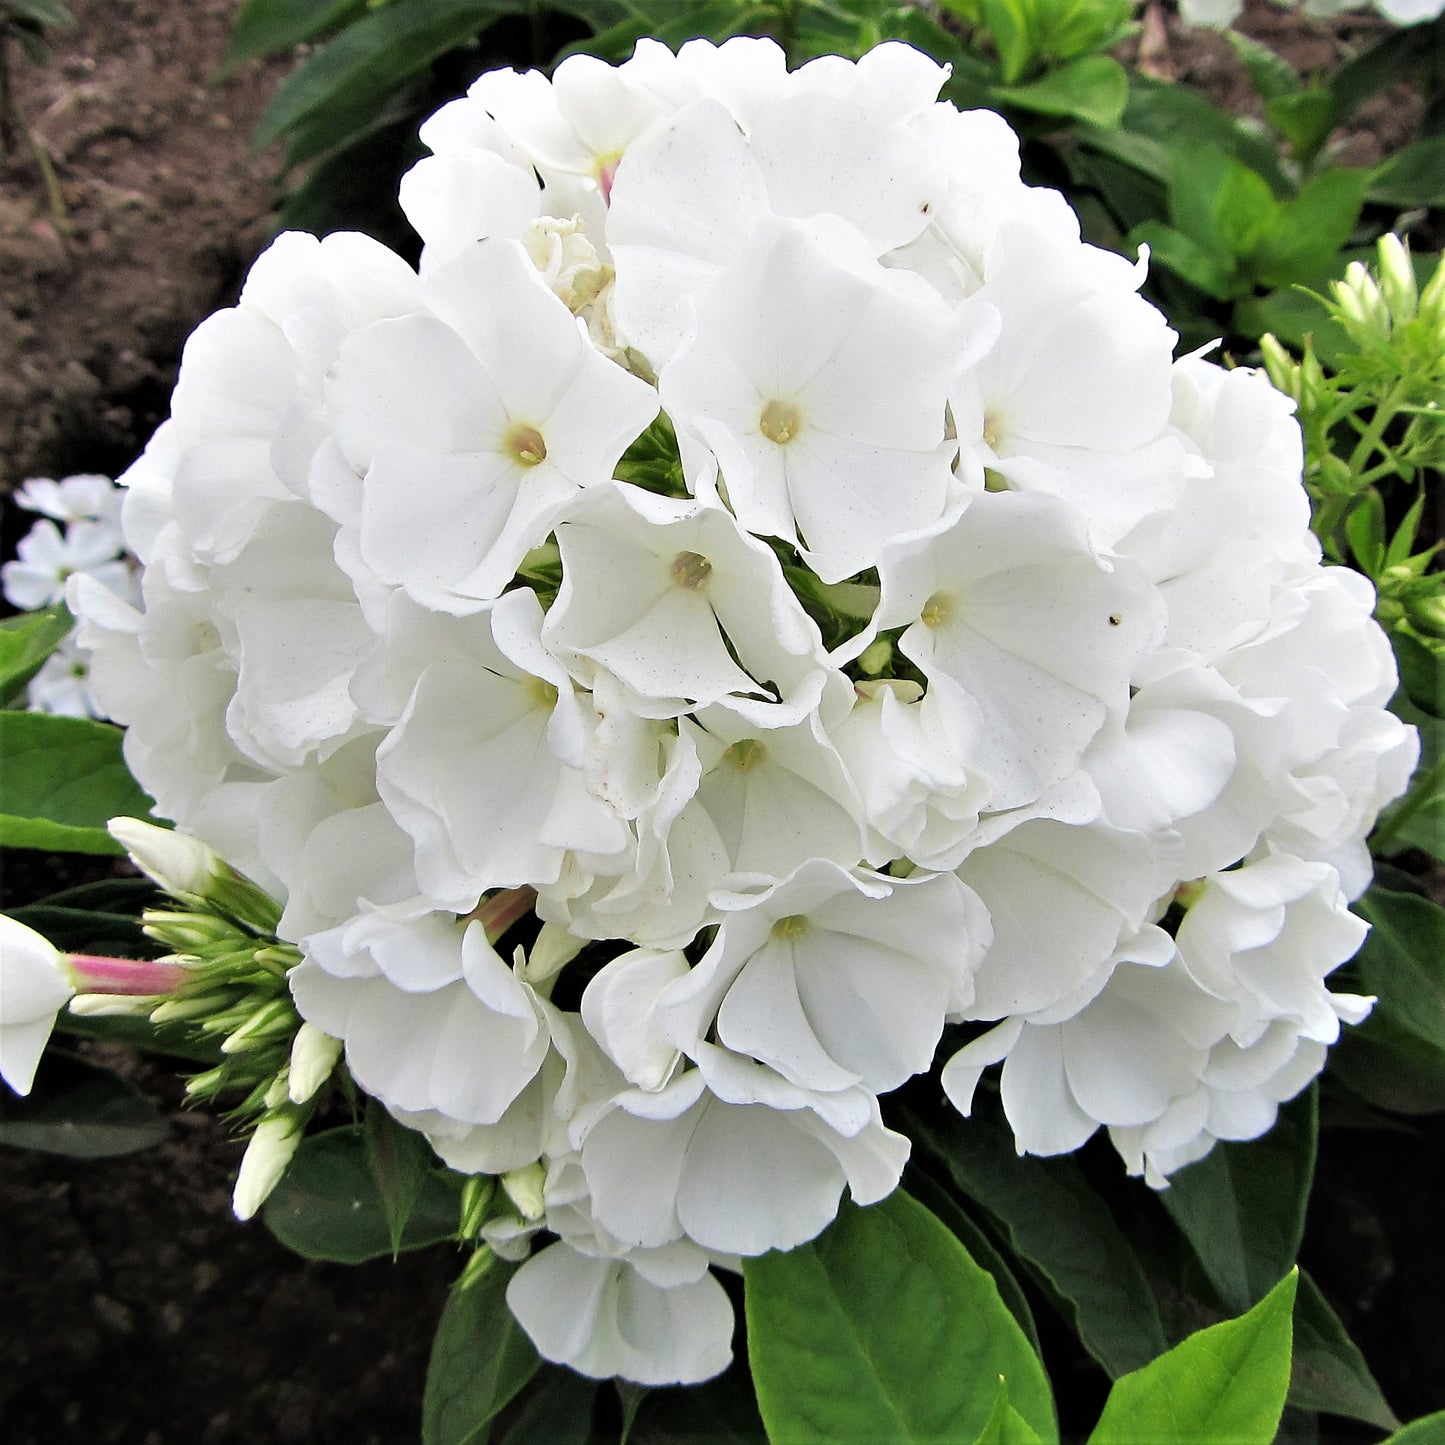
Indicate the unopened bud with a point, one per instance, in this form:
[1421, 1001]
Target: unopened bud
[524, 1188]
[876, 656]
[268, 1152]
[313, 1057]
[178, 863]
[261, 1027]
[477, 1192]
[108, 1005]
[1397, 278]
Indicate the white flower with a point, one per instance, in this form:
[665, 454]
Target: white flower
[473, 425]
[819, 385]
[663, 594]
[47, 559]
[84, 498]
[33, 989]
[62, 685]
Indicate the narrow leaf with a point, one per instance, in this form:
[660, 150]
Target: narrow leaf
[1242, 1207]
[1227, 1382]
[1403, 960]
[1427, 1430]
[480, 1359]
[61, 780]
[400, 1160]
[375, 56]
[558, 1413]
[1414, 176]
[884, 1328]
[266, 26]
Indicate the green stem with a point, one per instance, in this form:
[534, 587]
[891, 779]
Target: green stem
[1372, 434]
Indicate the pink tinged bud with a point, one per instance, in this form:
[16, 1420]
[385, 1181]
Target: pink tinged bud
[93, 973]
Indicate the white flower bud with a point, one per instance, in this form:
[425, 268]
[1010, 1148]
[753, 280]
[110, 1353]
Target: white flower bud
[313, 1057]
[267, 1154]
[178, 863]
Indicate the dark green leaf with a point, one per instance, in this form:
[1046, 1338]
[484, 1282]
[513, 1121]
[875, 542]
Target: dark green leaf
[1403, 960]
[41, 12]
[78, 930]
[1242, 1207]
[400, 1160]
[1414, 176]
[1421, 674]
[480, 1359]
[372, 58]
[61, 780]
[1293, 316]
[1093, 88]
[884, 1328]
[559, 1412]
[266, 26]
[25, 642]
[1395, 56]
[327, 1205]
[1053, 1218]
[80, 1110]
[1226, 1383]
[722, 1411]
[1390, 1067]
[1329, 1373]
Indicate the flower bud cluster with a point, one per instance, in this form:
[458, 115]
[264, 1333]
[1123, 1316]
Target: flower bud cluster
[768, 575]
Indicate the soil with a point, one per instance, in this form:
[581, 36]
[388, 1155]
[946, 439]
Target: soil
[136, 1310]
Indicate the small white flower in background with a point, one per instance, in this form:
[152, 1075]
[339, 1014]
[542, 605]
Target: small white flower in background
[766, 544]
[92, 545]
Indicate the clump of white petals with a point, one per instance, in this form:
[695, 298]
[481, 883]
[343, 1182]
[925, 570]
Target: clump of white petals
[759, 595]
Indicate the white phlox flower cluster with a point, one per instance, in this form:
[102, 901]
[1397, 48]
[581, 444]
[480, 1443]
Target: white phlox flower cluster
[764, 558]
[88, 507]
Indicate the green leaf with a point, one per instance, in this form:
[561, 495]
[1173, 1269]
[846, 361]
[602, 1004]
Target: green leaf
[327, 1205]
[1390, 1067]
[1365, 529]
[1242, 1207]
[266, 26]
[1427, 1430]
[1243, 209]
[1396, 56]
[1403, 960]
[1093, 88]
[480, 1359]
[1225, 1383]
[1269, 74]
[1304, 120]
[1186, 122]
[79, 1110]
[721, 1411]
[1053, 1218]
[1006, 1426]
[61, 780]
[78, 930]
[1414, 176]
[933, 1197]
[1303, 242]
[400, 1160]
[837, 1349]
[25, 642]
[41, 12]
[558, 1413]
[374, 57]
[1211, 272]
[1329, 1374]
[1010, 26]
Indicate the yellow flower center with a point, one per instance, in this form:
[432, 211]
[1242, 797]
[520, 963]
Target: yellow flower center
[525, 444]
[780, 422]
